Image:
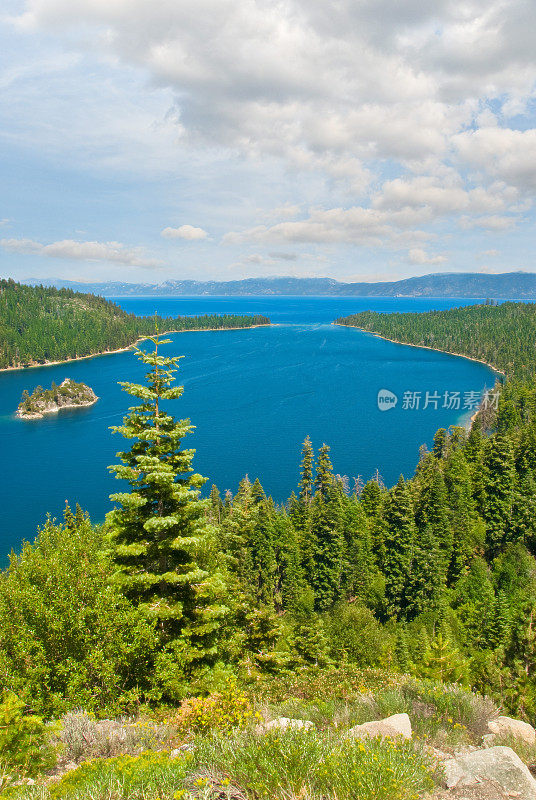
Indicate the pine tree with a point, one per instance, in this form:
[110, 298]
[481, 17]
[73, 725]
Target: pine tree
[216, 503]
[474, 600]
[419, 644]
[426, 582]
[263, 629]
[288, 579]
[307, 470]
[522, 523]
[526, 450]
[308, 640]
[441, 443]
[327, 541]
[399, 541]
[498, 629]
[324, 472]
[443, 662]
[359, 570]
[475, 441]
[263, 551]
[238, 530]
[373, 498]
[159, 532]
[432, 513]
[469, 530]
[25, 400]
[402, 650]
[498, 485]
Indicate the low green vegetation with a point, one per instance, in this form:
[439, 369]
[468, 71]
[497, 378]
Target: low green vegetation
[68, 637]
[39, 324]
[25, 743]
[213, 747]
[148, 776]
[314, 764]
[292, 764]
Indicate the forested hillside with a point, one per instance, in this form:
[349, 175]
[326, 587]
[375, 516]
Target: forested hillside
[40, 324]
[503, 335]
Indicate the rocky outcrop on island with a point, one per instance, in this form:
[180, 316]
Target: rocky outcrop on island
[68, 394]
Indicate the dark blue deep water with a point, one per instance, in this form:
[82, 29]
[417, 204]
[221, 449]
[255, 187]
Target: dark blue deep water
[254, 395]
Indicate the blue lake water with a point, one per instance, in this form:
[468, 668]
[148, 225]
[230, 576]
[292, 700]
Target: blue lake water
[254, 395]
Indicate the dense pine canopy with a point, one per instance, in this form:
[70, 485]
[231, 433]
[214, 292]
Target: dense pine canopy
[40, 324]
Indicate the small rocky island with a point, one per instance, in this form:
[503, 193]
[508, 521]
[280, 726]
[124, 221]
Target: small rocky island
[68, 394]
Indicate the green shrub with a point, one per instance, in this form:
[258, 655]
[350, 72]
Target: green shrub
[67, 638]
[149, 776]
[144, 777]
[357, 637]
[25, 747]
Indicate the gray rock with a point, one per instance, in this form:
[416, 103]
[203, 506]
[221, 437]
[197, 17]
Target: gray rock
[506, 726]
[390, 727]
[494, 767]
[455, 774]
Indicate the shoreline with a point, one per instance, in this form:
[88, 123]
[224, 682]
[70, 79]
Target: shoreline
[435, 349]
[424, 347]
[125, 349]
[56, 410]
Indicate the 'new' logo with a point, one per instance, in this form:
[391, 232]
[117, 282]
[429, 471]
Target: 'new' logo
[386, 400]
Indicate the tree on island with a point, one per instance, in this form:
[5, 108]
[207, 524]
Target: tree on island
[162, 539]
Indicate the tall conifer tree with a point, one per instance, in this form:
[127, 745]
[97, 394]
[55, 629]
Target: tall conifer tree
[159, 529]
[399, 541]
[307, 470]
[498, 476]
[324, 472]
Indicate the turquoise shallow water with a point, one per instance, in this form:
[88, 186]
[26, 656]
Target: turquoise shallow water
[253, 394]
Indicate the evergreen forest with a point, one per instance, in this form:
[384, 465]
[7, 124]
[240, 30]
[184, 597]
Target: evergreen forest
[39, 324]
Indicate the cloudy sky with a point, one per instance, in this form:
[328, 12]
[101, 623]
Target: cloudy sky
[358, 139]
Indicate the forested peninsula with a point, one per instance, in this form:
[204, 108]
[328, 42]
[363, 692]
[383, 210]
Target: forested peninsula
[41, 324]
[503, 336]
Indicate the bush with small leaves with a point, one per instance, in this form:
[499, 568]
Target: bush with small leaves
[25, 746]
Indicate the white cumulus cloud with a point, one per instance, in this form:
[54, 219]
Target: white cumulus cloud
[184, 232]
[419, 256]
[114, 252]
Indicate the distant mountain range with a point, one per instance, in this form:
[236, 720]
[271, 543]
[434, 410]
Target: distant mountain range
[509, 285]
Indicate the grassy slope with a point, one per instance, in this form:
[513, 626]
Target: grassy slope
[227, 758]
